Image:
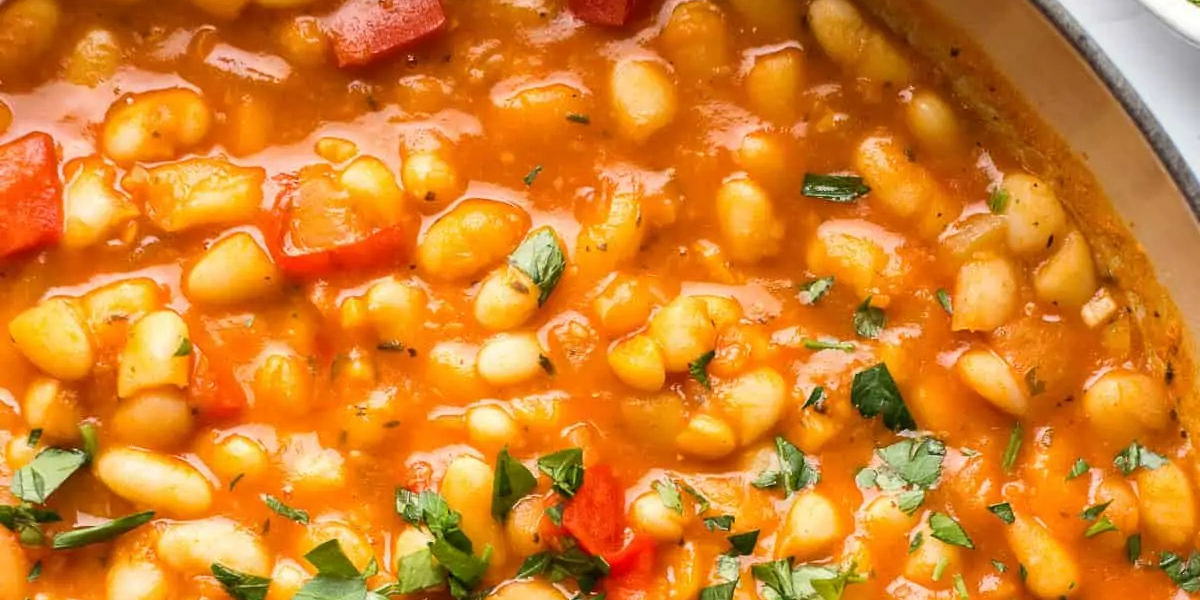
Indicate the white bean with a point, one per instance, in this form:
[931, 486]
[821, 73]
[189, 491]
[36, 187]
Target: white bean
[509, 359]
[507, 298]
[156, 481]
[1034, 213]
[1068, 277]
[53, 408]
[985, 294]
[158, 353]
[192, 547]
[755, 400]
[749, 225]
[1167, 504]
[137, 579]
[14, 567]
[467, 487]
[811, 527]
[1123, 406]
[706, 437]
[643, 98]
[155, 126]
[235, 269]
[93, 209]
[639, 363]
[1051, 569]
[198, 192]
[991, 377]
[684, 332]
[54, 336]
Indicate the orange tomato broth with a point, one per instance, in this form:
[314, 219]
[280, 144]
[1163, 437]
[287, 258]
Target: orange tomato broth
[453, 92]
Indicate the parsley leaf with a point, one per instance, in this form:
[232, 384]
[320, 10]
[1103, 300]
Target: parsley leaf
[35, 436]
[998, 200]
[1013, 448]
[816, 400]
[999, 566]
[960, 586]
[728, 567]
[916, 542]
[565, 470]
[804, 582]
[702, 503]
[699, 369]
[668, 492]
[581, 119]
[240, 586]
[813, 290]
[47, 471]
[742, 544]
[874, 392]
[1003, 511]
[1185, 573]
[1079, 468]
[917, 462]
[1099, 527]
[721, 523]
[570, 563]
[943, 527]
[794, 471]
[284, 510]
[532, 175]
[1133, 548]
[721, 591]
[35, 572]
[417, 571]
[26, 521]
[541, 257]
[91, 440]
[869, 321]
[512, 482]
[1091, 512]
[943, 298]
[1137, 455]
[184, 349]
[461, 564]
[841, 189]
[827, 344]
[100, 533]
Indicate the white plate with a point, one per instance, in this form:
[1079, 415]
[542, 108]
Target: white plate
[1180, 15]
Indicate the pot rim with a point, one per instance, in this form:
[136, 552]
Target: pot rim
[1152, 129]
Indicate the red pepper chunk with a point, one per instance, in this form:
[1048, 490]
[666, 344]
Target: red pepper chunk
[214, 391]
[31, 211]
[317, 227]
[596, 515]
[613, 13]
[634, 578]
[364, 30]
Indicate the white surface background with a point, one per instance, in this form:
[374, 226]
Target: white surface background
[1161, 66]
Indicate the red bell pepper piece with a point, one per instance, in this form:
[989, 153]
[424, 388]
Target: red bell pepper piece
[639, 548]
[635, 578]
[31, 210]
[613, 13]
[215, 392]
[596, 515]
[363, 30]
[316, 228]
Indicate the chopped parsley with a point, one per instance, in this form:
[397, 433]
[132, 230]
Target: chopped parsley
[668, 492]
[581, 119]
[742, 544]
[842, 189]
[1013, 449]
[284, 510]
[719, 523]
[1078, 468]
[813, 290]
[1091, 512]
[511, 483]
[782, 581]
[794, 472]
[1137, 455]
[184, 349]
[240, 586]
[36, 481]
[541, 257]
[699, 369]
[943, 298]
[1133, 548]
[1003, 511]
[816, 400]
[907, 469]
[827, 344]
[998, 200]
[103, 532]
[1099, 527]
[944, 528]
[874, 393]
[565, 470]
[869, 321]
[532, 175]
[1185, 573]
